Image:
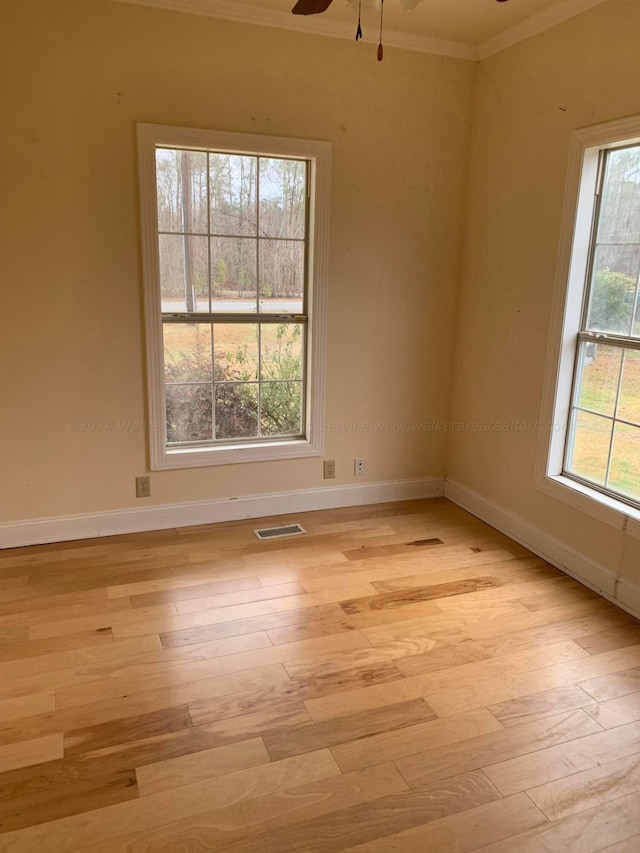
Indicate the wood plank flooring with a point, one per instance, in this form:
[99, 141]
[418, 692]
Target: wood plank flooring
[401, 678]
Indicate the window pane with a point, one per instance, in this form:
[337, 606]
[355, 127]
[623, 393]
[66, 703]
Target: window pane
[187, 352]
[600, 373]
[591, 440]
[184, 273]
[281, 349]
[281, 276]
[236, 411]
[232, 246]
[188, 412]
[613, 288]
[629, 402]
[236, 352]
[181, 186]
[620, 211]
[283, 196]
[232, 184]
[233, 275]
[624, 474]
[281, 408]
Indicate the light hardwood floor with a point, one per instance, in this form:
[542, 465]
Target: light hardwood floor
[402, 678]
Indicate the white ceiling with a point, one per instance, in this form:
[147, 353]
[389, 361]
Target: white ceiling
[470, 29]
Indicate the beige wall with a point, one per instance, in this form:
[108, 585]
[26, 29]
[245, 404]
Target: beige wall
[529, 100]
[77, 76]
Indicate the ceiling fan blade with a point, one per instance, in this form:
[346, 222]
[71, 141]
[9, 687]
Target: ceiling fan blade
[311, 7]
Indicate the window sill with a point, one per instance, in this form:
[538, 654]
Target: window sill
[613, 512]
[199, 457]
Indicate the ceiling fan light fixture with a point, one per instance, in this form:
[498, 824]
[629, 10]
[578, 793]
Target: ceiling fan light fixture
[315, 7]
[373, 7]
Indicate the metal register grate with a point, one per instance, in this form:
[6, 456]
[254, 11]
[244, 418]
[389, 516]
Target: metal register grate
[280, 532]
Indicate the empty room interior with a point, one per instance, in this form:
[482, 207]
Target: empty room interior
[320, 414]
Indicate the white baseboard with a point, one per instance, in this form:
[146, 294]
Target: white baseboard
[597, 577]
[63, 528]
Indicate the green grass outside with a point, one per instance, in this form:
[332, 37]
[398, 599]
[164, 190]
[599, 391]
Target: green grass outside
[593, 434]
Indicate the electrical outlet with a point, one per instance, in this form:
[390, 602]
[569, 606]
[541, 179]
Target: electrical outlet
[359, 466]
[143, 487]
[329, 469]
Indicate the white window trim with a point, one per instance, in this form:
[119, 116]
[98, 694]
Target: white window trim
[319, 154]
[575, 238]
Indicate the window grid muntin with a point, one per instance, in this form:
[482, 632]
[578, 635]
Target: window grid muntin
[595, 243]
[257, 238]
[613, 420]
[268, 320]
[257, 318]
[627, 343]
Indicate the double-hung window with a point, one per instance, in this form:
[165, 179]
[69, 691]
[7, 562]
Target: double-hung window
[593, 448]
[603, 441]
[235, 244]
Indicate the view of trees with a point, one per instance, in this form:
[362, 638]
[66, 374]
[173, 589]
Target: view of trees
[617, 260]
[239, 380]
[232, 229]
[612, 301]
[605, 441]
[604, 445]
[231, 240]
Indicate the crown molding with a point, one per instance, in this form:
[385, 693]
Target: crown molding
[318, 25]
[537, 23]
[314, 25]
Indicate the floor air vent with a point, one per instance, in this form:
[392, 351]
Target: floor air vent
[280, 532]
